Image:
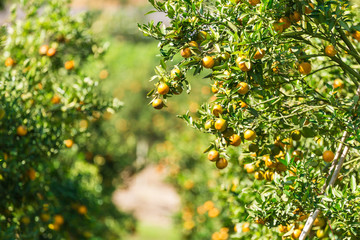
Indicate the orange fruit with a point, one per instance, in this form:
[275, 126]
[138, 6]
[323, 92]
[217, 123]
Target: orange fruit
[309, 9]
[175, 74]
[58, 219]
[235, 140]
[213, 155]
[68, 143]
[43, 49]
[356, 35]
[297, 155]
[269, 176]
[243, 104]
[259, 54]
[157, 103]
[208, 62]
[208, 124]
[246, 227]
[55, 99]
[320, 233]
[214, 212]
[82, 210]
[220, 124]
[330, 51]
[260, 221]
[21, 130]
[250, 168]
[193, 44]
[9, 62]
[249, 135]
[282, 228]
[217, 110]
[328, 156]
[295, 16]
[31, 174]
[244, 88]
[244, 66]
[51, 52]
[163, 88]
[338, 83]
[103, 74]
[185, 52]
[285, 21]
[221, 163]
[254, 2]
[259, 175]
[296, 233]
[69, 65]
[278, 27]
[304, 68]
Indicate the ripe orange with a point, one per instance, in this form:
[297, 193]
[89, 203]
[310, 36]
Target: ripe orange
[278, 27]
[296, 233]
[235, 140]
[82, 210]
[250, 168]
[282, 228]
[254, 2]
[309, 9]
[214, 212]
[259, 54]
[304, 68]
[58, 219]
[285, 21]
[249, 135]
[193, 44]
[31, 174]
[51, 52]
[338, 83]
[55, 99]
[295, 16]
[221, 163]
[163, 88]
[217, 110]
[208, 124]
[202, 35]
[259, 175]
[175, 74]
[68, 143]
[213, 155]
[330, 51]
[260, 221]
[43, 49]
[356, 35]
[244, 88]
[69, 65]
[246, 227]
[9, 62]
[320, 233]
[21, 130]
[158, 103]
[208, 62]
[328, 156]
[243, 104]
[244, 66]
[220, 124]
[185, 52]
[269, 175]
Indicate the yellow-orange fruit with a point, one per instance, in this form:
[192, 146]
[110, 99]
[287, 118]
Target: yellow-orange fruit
[338, 83]
[330, 51]
[309, 10]
[249, 135]
[82, 210]
[285, 21]
[208, 62]
[158, 103]
[43, 49]
[259, 175]
[9, 62]
[51, 52]
[304, 68]
[220, 124]
[295, 16]
[356, 35]
[217, 110]
[69, 65]
[185, 52]
[328, 156]
[221, 163]
[296, 233]
[246, 227]
[21, 130]
[254, 2]
[213, 155]
[163, 88]
[259, 54]
[244, 88]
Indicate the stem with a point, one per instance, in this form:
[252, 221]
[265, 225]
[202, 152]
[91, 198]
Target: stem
[349, 45]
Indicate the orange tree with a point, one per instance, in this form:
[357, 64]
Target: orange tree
[286, 86]
[48, 105]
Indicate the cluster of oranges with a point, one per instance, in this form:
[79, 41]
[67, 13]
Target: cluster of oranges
[223, 234]
[208, 207]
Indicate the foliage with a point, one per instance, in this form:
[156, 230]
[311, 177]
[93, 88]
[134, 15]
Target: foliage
[284, 76]
[49, 108]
